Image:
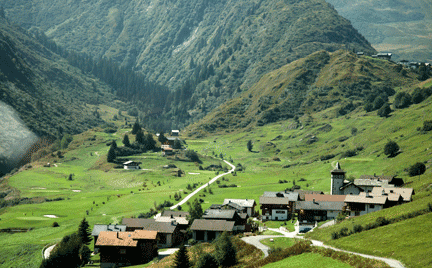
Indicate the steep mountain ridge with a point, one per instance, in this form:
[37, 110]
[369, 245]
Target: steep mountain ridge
[320, 81]
[215, 49]
[402, 27]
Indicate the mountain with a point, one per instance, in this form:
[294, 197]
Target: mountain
[207, 51]
[315, 83]
[402, 27]
[41, 95]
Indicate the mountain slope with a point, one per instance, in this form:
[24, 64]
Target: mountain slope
[41, 95]
[315, 83]
[402, 27]
[223, 47]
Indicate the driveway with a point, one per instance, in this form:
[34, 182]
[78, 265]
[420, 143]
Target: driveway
[255, 241]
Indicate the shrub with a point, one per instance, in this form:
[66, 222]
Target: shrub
[357, 228]
[384, 111]
[381, 221]
[335, 235]
[391, 149]
[417, 169]
[402, 100]
[327, 157]
[55, 224]
[427, 126]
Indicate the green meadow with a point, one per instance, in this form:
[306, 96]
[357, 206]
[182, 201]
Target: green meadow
[308, 260]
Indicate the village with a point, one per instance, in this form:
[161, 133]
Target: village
[137, 240]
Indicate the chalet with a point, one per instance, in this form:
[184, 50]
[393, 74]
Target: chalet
[167, 151]
[239, 219]
[242, 205]
[175, 132]
[357, 205]
[131, 165]
[302, 193]
[404, 62]
[384, 56]
[168, 232]
[312, 211]
[405, 193]
[350, 188]
[208, 230]
[360, 54]
[126, 248]
[368, 182]
[278, 205]
[97, 228]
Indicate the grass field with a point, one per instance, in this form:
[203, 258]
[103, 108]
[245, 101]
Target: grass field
[278, 242]
[308, 260]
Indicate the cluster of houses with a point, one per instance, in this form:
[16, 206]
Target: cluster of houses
[137, 240]
[168, 146]
[404, 63]
[364, 195]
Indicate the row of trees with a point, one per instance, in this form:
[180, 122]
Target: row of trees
[72, 251]
[224, 255]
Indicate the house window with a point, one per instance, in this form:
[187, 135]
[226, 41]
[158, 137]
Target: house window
[280, 211]
[357, 213]
[122, 251]
[372, 206]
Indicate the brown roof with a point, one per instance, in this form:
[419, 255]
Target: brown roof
[363, 199]
[324, 198]
[212, 225]
[302, 193]
[124, 239]
[150, 225]
[406, 193]
[175, 213]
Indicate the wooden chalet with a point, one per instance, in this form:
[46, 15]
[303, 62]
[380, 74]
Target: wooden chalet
[126, 248]
[97, 228]
[208, 230]
[358, 205]
[278, 206]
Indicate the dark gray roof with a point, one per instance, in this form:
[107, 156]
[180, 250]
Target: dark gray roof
[212, 225]
[310, 205]
[351, 184]
[226, 214]
[150, 225]
[169, 213]
[103, 227]
[216, 206]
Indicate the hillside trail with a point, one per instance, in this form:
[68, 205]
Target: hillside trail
[201, 188]
[255, 241]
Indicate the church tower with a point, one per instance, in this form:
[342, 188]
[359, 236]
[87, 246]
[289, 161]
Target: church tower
[337, 180]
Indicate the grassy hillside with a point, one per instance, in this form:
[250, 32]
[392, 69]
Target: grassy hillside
[207, 51]
[318, 82]
[402, 27]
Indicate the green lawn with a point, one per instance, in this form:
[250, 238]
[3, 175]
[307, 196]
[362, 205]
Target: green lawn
[308, 260]
[278, 242]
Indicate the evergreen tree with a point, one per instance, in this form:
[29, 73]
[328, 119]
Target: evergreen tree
[402, 100]
[177, 144]
[195, 210]
[136, 127]
[249, 146]
[84, 232]
[140, 138]
[85, 254]
[162, 139]
[181, 258]
[111, 154]
[391, 149]
[126, 141]
[114, 144]
[207, 261]
[150, 143]
[225, 251]
[2, 12]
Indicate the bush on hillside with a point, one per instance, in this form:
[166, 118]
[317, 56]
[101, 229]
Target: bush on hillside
[417, 169]
[402, 100]
[427, 126]
[391, 149]
[384, 111]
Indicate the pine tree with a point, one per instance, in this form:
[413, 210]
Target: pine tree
[177, 144]
[207, 261]
[140, 137]
[162, 139]
[150, 143]
[181, 258]
[85, 254]
[126, 141]
[111, 154]
[136, 127]
[249, 146]
[195, 210]
[225, 251]
[84, 232]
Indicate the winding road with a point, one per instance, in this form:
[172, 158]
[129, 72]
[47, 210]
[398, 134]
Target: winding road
[255, 241]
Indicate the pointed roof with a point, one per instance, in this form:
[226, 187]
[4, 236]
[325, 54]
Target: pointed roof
[338, 169]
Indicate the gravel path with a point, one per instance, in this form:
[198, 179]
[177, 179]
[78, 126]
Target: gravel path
[255, 241]
[47, 251]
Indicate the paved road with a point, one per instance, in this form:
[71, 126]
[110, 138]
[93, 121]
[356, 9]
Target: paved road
[254, 240]
[200, 188]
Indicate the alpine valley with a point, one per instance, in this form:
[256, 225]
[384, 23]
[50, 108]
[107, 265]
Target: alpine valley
[275, 87]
